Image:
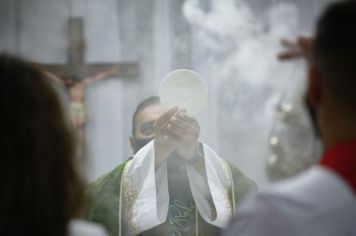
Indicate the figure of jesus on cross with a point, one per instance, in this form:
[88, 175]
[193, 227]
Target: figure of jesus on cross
[76, 75]
[76, 92]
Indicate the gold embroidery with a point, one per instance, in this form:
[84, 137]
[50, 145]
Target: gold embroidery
[226, 170]
[229, 193]
[130, 195]
[180, 221]
[227, 200]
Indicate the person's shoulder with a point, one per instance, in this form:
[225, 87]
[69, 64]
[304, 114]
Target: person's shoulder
[260, 214]
[315, 188]
[239, 177]
[109, 176]
[316, 195]
[233, 167]
[84, 228]
[272, 203]
[312, 186]
[291, 191]
[269, 211]
[108, 183]
[243, 182]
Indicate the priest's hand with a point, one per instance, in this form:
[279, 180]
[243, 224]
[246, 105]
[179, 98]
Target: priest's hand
[164, 141]
[186, 129]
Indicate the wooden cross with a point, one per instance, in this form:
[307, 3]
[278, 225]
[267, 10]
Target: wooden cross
[76, 67]
[75, 76]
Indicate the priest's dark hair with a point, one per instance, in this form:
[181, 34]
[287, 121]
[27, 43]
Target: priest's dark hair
[141, 106]
[335, 52]
[41, 190]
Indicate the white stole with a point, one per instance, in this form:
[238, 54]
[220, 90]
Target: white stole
[145, 197]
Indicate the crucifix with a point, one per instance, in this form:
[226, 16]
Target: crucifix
[75, 76]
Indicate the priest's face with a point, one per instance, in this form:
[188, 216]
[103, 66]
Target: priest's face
[145, 126]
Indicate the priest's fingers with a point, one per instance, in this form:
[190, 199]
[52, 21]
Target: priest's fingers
[163, 119]
[182, 114]
[166, 134]
[178, 115]
[179, 131]
[187, 118]
[168, 137]
[182, 134]
[188, 121]
[188, 127]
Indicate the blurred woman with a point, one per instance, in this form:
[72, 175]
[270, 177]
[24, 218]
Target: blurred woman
[41, 190]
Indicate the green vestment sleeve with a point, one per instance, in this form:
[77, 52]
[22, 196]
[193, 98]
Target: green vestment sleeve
[242, 184]
[104, 200]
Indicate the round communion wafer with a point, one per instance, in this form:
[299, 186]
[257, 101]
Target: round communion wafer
[184, 88]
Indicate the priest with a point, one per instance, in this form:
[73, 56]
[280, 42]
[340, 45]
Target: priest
[173, 185]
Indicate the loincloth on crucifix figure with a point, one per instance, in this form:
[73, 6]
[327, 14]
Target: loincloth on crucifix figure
[78, 113]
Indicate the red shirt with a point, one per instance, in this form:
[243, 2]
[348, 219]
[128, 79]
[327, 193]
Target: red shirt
[341, 159]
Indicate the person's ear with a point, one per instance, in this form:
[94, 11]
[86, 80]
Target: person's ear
[315, 86]
[132, 143]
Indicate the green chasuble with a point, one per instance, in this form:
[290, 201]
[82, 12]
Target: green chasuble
[183, 217]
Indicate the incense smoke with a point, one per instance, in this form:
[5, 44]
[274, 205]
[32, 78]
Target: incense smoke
[235, 49]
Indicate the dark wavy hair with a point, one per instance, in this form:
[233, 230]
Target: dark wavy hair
[41, 189]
